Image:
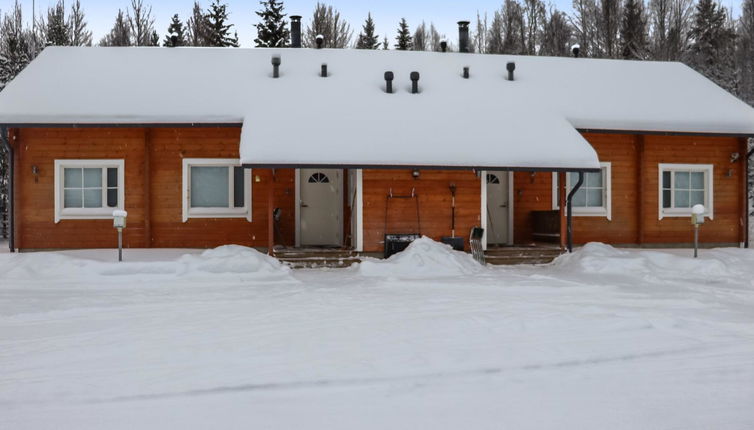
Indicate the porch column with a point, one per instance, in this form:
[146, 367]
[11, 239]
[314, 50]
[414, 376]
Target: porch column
[562, 206]
[271, 213]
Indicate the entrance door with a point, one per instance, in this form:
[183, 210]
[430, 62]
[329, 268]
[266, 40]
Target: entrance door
[321, 200]
[497, 207]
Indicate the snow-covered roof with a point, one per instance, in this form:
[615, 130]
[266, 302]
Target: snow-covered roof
[348, 119]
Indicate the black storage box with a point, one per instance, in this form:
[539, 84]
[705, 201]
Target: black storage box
[455, 242]
[395, 243]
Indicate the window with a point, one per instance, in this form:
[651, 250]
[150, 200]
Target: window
[88, 189]
[216, 188]
[593, 197]
[492, 179]
[319, 178]
[681, 186]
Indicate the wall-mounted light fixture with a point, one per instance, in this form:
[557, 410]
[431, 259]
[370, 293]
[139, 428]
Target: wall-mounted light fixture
[734, 157]
[35, 172]
[416, 174]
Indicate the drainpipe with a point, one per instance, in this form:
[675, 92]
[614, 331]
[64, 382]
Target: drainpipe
[569, 210]
[747, 162]
[11, 211]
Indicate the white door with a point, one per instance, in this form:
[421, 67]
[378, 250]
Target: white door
[321, 201]
[497, 207]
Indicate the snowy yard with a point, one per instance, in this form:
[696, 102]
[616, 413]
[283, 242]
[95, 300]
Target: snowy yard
[601, 339]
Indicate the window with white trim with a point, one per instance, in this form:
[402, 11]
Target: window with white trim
[88, 189]
[594, 197]
[216, 188]
[681, 186]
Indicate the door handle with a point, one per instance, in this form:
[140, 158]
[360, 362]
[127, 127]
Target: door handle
[303, 205]
[505, 205]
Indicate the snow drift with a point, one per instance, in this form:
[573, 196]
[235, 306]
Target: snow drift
[229, 261]
[424, 258]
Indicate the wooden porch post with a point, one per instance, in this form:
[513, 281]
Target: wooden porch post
[270, 213]
[562, 206]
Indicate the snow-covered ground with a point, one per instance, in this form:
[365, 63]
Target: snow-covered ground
[227, 338]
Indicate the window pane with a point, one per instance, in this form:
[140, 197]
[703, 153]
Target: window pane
[573, 177]
[594, 198]
[682, 180]
[238, 187]
[209, 187]
[579, 199]
[682, 199]
[92, 178]
[666, 198]
[112, 177]
[73, 198]
[112, 197]
[93, 198]
[594, 180]
[697, 198]
[666, 180]
[72, 178]
[697, 180]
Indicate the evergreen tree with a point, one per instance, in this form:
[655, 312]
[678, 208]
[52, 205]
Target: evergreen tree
[633, 31]
[56, 29]
[367, 38]
[385, 44]
[273, 31]
[198, 28]
[712, 49]
[745, 53]
[120, 34]
[403, 39]
[218, 28]
[175, 28]
[326, 21]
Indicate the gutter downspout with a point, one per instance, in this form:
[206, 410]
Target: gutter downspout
[569, 210]
[747, 164]
[11, 209]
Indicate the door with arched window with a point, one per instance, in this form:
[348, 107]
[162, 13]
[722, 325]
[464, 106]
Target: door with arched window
[497, 207]
[321, 207]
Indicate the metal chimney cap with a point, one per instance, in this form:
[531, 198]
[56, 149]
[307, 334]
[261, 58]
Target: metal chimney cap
[389, 76]
[414, 76]
[295, 18]
[511, 66]
[275, 60]
[464, 23]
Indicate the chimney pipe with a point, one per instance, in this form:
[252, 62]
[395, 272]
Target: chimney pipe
[466, 72]
[511, 67]
[173, 40]
[323, 73]
[295, 31]
[389, 82]
[463, 36]
[576, 49]
[414, 82]
[275, 66]
[320, 41]
[444, 46]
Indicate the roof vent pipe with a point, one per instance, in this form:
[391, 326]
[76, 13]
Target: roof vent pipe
[466, 72]
[576, 49]
[414, 82]
[275, 66]
[320, 41]
[444, 46]
[463, 36]
[173, 39]
[295, 31]
[389, 82]
[323, 73]
[510, 67]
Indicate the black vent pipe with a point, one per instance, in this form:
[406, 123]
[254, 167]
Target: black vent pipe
[173, 40]
[466, 73]
[320, 39]
[295, 31]
[463, 36]
[275, 66]
[569, 210]
[389, 82]
[414, 82]
[323, 72]
[444, 46]
[576, 49]
[511, 67]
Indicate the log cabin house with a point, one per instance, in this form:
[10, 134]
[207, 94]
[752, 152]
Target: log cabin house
[300, 148]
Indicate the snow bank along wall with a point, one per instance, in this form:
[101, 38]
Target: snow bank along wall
[153, 193]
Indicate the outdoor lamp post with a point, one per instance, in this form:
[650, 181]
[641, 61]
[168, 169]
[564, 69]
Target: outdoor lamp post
[119, 222]
[697, 219]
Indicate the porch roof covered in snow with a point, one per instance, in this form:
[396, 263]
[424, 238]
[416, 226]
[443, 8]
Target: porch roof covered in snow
[347, 119]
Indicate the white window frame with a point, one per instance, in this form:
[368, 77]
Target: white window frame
[606, 210]
[220, 212]
[707, 169]
[105, 212]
